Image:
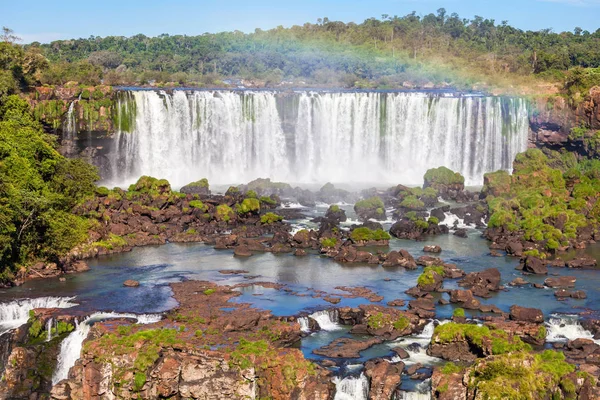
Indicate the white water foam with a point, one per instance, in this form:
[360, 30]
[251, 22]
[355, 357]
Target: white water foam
[351, 388]
[423, 392]
[452, 221]
[49, 329]
[70, 348]
[416, 346]
[16, 313]
[562, 328]
[328, 319]
[303, 321]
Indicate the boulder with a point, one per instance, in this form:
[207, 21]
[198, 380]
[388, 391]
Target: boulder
[518, 313]
[432, 249]
[131, 283]
[242, 251]
[534, 265]
[384, 378]
[561, 282]
[464, 297]
[582, 262]
[401, 258]
[482, 282]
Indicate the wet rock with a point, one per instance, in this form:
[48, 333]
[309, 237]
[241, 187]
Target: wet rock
[460, 232]
[428, 261]
[575, 294]
[346, 347]
[582, 262]
[561, 282]
[443, 302]
[401, 258]
[465, 298]
[538, 286]
[300, 252]
[400, 352]
[131, 283]
[514, 248]
[396, 303]
[242, 251]
[384, 378]
[432, 249]
[482, 282]
[332, 300]
[534, 265]
[518, 313]
[451, 271]
[424, 308]
[518, 282]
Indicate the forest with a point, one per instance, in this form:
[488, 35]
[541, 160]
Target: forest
[439, 48]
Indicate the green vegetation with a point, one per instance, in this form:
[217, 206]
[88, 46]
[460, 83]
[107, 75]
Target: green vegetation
[112, 242]
[151, 186]
[371, 205]
[145, 345]
[428, 276]
[501, 342]
[459, 312]
[202, 183]
[267, 200]
[381, 320]
[451, 368]
[38, 189]
[433, 220]
[412, 203]
[224, 212]
[198, 204]
[521, 376]
[328, 242]
[442, 176]
[248, 206]
[208, 292]
[366, 234]
[270, 218]
[334, 208]
[548, 205]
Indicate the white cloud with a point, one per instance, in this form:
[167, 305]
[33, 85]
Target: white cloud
[42, 37]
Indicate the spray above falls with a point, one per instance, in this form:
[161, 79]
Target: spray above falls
[313, 137]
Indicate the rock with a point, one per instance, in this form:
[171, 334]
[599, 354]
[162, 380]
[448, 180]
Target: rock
[428, 261]
[561, 282]
[582, 262]
[534, 265]
[423, 307]
[514, 248]
[400, 258]
[518, 313]
[518, 282]
[346, 347]
[443, 301]
[384, 378]
[131, 283]
[400, 352]
[448, 386]
[300, 252]
[482, 282]
[432, 249]
[396, 303]
[538, 286]
[242, 251]
[464, 297]
[332, 300]
[460, 232]
[430, 281]
[576, 294]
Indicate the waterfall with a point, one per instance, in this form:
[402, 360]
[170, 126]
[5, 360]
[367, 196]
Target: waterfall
[313, 137]
[561, 328]
[328, 320]
[70, 348]
[70, 127]
[303, 321]
[16, 313]
[351, 388]
[49, 329]
[423, 392]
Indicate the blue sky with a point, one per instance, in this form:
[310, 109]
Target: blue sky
[46, 21]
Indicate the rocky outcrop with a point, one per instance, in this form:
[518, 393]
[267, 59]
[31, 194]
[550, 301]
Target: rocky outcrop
[384, 378]
[483, 282]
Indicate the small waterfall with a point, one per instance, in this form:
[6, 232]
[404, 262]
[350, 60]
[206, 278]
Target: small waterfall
[70, 126]
[351, 388]
[70, 348]
[416, 346]
[313, 137]
[562, 328]
[303, 321]
[328, 319]
[16, 313]
[49, 329]
[423, 392]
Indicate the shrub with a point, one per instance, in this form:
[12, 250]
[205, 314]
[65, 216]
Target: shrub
[372, 203]
[412, 202]
[459, 312]
[328, 242]
[268, 200]
[366, 234]
[443, 176]
[270, 218]
[198, 204]
[248, 206]
[224, 212]
[428, 277]
[433, 220]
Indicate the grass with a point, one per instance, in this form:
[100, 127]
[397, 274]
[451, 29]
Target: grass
[328, 242]
[365, 234]
[428, 275]
[270, 218]
[501, 343]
